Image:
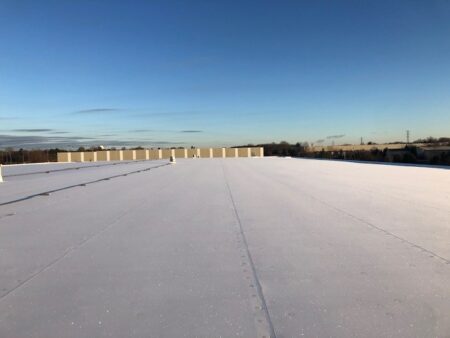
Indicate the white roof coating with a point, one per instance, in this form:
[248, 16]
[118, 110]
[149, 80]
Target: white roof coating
[246, 247]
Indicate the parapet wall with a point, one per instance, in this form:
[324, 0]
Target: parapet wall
[155, 154]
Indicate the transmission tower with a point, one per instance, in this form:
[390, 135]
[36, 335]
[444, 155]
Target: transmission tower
[407, 136]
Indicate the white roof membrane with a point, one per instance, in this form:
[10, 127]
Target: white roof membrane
[227, 247]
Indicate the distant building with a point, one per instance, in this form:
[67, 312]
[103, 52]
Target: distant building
[429, 153]
[395, 155]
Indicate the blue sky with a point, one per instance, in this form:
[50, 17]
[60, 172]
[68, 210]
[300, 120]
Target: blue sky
[222, 73]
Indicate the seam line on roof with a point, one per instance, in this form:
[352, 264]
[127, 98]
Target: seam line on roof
[46, 193]
[65, 254]
[417, 246]
[252, 265]
[77, 246]
[72, 249]
[71, 168]
[348, 214]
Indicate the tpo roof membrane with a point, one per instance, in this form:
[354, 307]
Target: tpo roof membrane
[246, 247]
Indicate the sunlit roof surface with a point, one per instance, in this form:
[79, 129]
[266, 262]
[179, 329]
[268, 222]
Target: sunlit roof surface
[246, 247]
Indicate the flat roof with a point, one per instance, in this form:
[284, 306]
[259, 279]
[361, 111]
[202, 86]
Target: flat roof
[247, 247]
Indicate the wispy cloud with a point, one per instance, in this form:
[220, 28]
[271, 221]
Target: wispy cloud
[335, 136]
[166, 143]
[164, 131]
[96, 111]
[32, 130]
[140, 130]
[167, 114]
[73, 142]
[38, 141]
[320, 141]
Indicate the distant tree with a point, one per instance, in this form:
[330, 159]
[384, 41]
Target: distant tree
[412, 150]
[435, 160]
[445, 158]
[429, 139]
[409, 158]
[95, 148]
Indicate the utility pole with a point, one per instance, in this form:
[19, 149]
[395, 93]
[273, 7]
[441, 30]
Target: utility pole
[407, 137]
[362, 143]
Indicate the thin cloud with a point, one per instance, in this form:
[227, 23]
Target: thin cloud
[164, 131]
[140, 130]
[32, 130]
[74, 142]
[320, 141]
[167, 142]
[335, 136]
[167, 114]
[96, 111]
[41, 142]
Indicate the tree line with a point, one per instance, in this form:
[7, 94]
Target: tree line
[11, 156]
[409, 154]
